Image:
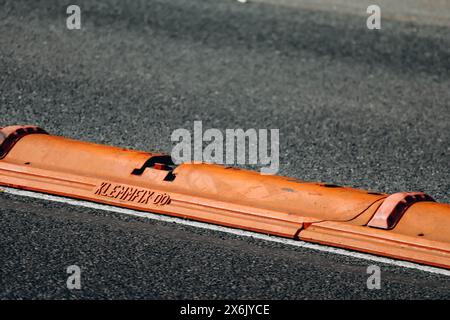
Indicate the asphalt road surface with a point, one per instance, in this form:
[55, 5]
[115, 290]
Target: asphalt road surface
[357, 107]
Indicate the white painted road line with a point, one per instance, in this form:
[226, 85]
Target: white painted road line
[238, 232]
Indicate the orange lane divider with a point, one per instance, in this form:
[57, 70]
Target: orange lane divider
[409, 226]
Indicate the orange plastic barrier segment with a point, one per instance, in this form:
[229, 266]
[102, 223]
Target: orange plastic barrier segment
[243, 199]
[205, 192]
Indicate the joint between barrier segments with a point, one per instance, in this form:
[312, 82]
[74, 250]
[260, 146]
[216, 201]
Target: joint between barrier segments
[394, 207]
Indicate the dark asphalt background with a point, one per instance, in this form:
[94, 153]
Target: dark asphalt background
[368, 109]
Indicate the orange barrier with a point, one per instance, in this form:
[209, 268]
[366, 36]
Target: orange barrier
[407, 226]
